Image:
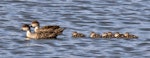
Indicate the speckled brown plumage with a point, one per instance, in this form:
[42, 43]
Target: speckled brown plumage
[50, 28]
[77, 35]
[127, 35]
[38, 35]
[94, 35]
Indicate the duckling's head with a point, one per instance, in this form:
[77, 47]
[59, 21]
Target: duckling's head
[35, 23]
[92, 33]
[25, 27]
[74, 33]
[116, 34]
[126, 34]
[105, 34]
[109, 33]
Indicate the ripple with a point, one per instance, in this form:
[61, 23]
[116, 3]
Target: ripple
[143, 44]
[94, 51]
[106, 23]
[130, 22]
[82, 44]
[69, 47]
[128, 48]
[144, 29]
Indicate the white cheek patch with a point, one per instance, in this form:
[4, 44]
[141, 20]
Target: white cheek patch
[34, 25]
[24, 28]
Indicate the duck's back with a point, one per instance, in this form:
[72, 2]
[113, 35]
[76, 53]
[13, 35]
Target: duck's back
[53, 28]
[50, 27]
[44, 30]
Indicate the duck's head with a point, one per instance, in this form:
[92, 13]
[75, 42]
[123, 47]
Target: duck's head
[74, 33]
[25, 27]
[35, 23]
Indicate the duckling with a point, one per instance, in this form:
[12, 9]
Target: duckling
[50, 28]
[129, 36]
[76, 34]
[104, 35]
[94, 35]
[37, 35]
[134, 36]
[118, 35]
[110, 34]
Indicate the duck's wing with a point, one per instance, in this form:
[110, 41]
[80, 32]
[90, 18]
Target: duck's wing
[44, 30]
[45, 35]
[59, 30]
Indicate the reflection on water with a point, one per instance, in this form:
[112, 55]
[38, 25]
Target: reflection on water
[76, 15]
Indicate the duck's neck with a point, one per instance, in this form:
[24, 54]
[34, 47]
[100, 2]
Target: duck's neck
[35, 29]
[91, 35]
[28, 33]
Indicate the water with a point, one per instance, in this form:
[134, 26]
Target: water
[76, 15]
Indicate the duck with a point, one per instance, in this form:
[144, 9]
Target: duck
[110, 35]
[37, 35]
[50, 28]
[104, 35]
[94, 35]
[77, 35]
[129, 36]
[118, 35]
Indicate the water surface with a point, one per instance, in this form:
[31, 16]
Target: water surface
[75, 15]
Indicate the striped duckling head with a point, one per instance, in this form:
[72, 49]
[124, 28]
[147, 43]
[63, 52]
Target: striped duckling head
[94, 35]
[127, 34]
[110, 34]
[104, 35]
[117, 35]
[74, 33]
